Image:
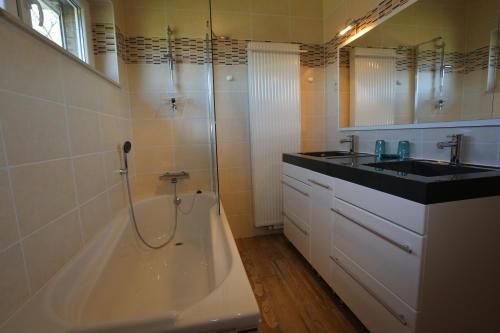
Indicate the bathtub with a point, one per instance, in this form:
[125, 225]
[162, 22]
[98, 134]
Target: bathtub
[197, 283]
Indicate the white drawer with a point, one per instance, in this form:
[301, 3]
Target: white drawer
[375, 314]
[296, 172]
[297, 201]
[406, 213]
[321, 182]
[297, 235]
[389, 253]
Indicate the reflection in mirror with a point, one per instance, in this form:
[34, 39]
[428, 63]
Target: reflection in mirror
[435, 61]
[84, 28]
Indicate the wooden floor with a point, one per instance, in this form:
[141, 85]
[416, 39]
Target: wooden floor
[291, 296]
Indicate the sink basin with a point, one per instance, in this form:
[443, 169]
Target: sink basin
[426, 168]
[333, 154]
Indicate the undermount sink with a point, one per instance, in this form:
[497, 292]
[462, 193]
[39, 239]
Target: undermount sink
[426, 168]
[333, 154]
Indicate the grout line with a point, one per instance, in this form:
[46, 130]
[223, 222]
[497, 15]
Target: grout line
[12, 92]
[65, 214]
[16, 215]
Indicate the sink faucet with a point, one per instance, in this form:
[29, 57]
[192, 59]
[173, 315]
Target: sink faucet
[351, 139]
[456, 147]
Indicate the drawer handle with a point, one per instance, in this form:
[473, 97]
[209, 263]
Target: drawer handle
[295, 188]
[398, 316]
[319, 184]
[403, 247]
[295, 224]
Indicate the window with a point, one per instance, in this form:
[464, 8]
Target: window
[60, 21]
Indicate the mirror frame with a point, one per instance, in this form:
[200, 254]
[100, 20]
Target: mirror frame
[444, 124]
[19, 23]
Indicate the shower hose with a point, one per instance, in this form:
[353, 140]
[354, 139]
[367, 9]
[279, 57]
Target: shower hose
[177, 208]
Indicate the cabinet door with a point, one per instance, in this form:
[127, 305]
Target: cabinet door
[321, 223]
[296, 211]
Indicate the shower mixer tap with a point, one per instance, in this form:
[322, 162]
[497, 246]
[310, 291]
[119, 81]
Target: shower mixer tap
[174, 176]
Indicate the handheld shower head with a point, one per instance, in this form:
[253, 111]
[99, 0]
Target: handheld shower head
[127, 147]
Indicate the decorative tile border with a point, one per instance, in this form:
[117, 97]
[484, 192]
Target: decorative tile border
[154, 50]
[103, 38]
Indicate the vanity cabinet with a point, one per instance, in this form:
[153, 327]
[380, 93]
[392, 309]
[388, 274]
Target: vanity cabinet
[401, 266]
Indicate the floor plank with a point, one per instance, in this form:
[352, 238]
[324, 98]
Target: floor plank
[291, 296]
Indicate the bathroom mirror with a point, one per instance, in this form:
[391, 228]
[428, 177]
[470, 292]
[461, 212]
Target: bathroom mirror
[434, 61]
[84, 28]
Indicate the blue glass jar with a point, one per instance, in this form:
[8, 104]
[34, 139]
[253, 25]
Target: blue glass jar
[404, 150]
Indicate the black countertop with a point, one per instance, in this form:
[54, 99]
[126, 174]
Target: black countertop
[425, 190]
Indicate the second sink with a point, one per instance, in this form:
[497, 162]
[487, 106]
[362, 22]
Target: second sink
[426, 168]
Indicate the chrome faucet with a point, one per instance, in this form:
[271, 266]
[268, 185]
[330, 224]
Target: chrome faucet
[351, 139]
[456, 147]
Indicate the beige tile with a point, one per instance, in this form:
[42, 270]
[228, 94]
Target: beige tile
[275, 7]
[145, 21]
[194, 104]
[234, 155]
[192, 157]
[50, 248]
[232, 25]
[114, 132]
[233, 130]
[318, 76]
[148, 78]
[89, 175]
[198, 5]
[306, 30]
[8, 224]
[270, 28]
[14, 290]
[112, 165]
[239, 74]
[27, 63]
[117, 197]
[191, 131]
[312, 128]
[80, 86]
[95, 215]
[149, 185]
[154, 159]
[3, 158]
[188, 23]
[190, 77]
[158, 4]
[235, 180]
[238, 203]
[231, 104]
[84, 131]
[156, 132]
[312, 103]
[114, 100]
[149, 105]
[309, 8]
[33, 130]
[330, 6]
[231, 5]
[42, 193]
[310, 146]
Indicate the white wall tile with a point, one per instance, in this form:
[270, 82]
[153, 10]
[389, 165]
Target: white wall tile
[42, 193]
[33, 130]
[50, 248]
[14, 289]
[8, 225]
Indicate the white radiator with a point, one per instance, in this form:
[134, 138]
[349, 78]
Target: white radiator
[373, 86]
[274, 106]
